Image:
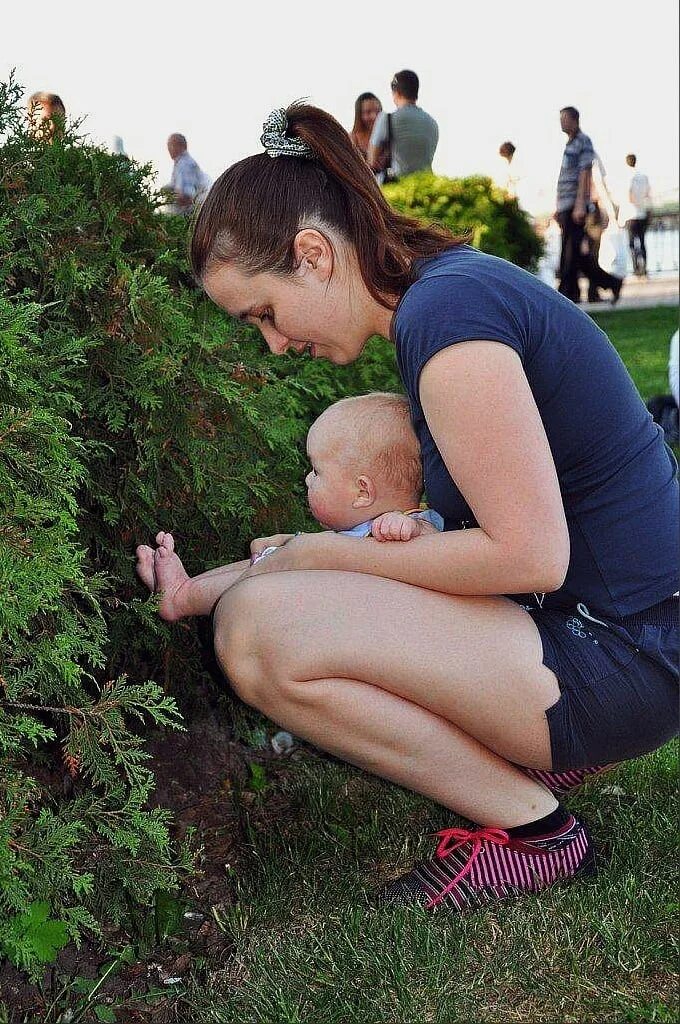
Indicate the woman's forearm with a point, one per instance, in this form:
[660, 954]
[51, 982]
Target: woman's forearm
[467, 562]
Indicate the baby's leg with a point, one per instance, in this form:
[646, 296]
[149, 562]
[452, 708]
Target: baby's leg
[182, 596]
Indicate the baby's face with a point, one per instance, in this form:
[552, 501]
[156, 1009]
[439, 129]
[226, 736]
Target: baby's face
[332, 484]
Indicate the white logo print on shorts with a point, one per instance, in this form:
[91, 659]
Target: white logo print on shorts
[577, 627]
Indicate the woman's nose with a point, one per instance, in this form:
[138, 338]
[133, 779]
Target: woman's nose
[276, 342]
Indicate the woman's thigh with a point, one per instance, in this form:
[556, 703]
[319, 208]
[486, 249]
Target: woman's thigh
[477, 662]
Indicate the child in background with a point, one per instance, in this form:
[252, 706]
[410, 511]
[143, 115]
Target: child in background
[366, 480]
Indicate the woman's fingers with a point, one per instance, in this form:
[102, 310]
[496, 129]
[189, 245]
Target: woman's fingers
[258, 545]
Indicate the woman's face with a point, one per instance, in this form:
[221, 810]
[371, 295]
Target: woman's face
[315, 310]
[369, 112]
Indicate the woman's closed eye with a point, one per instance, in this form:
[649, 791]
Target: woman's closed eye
[265, 316]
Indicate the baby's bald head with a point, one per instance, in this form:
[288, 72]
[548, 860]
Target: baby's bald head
[372, 434]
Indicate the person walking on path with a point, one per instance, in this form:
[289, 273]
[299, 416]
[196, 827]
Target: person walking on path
[411, 132]
[537, 635]
[574, 188]
[634, 214]
[188, 184]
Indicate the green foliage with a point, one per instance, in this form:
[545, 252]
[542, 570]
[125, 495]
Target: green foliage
[52, 643]
[496, 222]
[257, 781]
[32, 938]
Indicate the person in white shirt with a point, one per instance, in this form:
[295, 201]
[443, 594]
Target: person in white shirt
[634, 214]
[189, 185]
[674, 367]
[508, 176]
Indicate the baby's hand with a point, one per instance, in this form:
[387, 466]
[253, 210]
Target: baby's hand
[397, 526]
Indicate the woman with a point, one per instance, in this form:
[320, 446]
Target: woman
[366, 109]
[556, 489]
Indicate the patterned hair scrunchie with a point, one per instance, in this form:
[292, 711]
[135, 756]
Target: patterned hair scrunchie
[277, 143]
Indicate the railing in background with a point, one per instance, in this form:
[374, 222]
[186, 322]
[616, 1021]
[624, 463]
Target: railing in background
[662, 241]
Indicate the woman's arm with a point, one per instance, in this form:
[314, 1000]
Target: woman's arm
[483, 418]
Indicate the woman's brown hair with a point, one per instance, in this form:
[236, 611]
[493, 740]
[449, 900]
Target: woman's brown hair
[257, 206]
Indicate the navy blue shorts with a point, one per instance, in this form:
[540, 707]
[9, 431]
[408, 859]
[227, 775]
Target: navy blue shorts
[618, 683]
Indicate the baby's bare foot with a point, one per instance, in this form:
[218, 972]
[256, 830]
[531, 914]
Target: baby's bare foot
[171, 576]
[163, 573]
[145, 571]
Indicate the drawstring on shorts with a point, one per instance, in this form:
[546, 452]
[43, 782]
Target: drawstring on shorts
[582, 610]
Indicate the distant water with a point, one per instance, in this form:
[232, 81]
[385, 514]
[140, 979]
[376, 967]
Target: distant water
[662, 251]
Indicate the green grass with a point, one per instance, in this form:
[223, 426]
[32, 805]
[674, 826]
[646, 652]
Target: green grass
[307, 947]
[642, 337]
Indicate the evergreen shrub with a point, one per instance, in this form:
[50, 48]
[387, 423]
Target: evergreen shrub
[128, 403]
[496, 222]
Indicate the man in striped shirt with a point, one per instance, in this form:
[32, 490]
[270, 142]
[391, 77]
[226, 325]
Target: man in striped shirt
[574, 187]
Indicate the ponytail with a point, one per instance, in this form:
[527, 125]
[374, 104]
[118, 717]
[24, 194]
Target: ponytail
[257, 206]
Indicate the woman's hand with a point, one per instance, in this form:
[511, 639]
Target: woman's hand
[295, 551]
[258, 545]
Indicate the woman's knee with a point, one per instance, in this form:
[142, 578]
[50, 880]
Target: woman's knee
[241, 639]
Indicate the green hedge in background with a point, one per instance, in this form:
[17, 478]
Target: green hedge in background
[496, 222]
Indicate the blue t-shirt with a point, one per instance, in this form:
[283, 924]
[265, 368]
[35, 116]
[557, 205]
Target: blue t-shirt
[617, 477]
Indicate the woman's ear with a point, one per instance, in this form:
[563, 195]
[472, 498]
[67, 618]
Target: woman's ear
[366, 492]
[313, 253]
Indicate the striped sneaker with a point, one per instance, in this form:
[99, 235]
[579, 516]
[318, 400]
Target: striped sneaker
[560, 783]
[473, 869]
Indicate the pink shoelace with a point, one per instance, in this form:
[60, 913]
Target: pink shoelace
[453, 838]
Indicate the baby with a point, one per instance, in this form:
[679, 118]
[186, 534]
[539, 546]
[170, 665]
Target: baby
[366, 481]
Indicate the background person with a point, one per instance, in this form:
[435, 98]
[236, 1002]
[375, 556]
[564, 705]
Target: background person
[188, 184]
[508, 177]
[539, 629]
[674, 367]
[413, 133]
[634, 214]
[574, 193]
[367, 106]
[46, 114]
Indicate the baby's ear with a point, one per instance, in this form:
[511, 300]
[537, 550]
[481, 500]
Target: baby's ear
[365, 492]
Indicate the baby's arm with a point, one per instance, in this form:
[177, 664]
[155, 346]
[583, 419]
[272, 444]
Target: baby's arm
[399, 526]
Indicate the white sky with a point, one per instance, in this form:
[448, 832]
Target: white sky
[489, 70]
